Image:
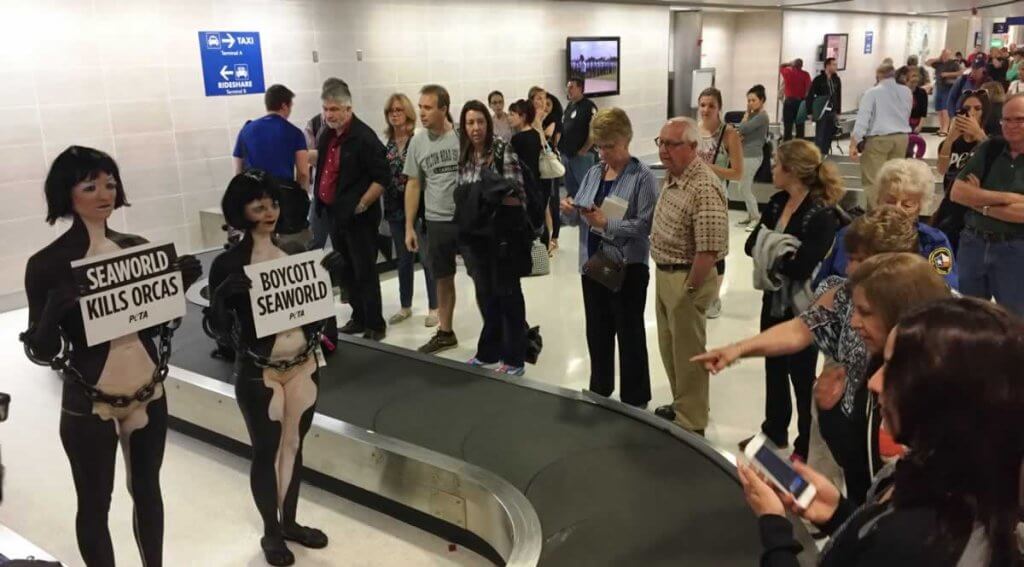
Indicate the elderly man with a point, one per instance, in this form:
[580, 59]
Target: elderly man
[689, 234]
[883, 123]
[351, 172]
[991, 251]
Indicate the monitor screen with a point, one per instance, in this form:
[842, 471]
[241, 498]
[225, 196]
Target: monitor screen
[596, 61]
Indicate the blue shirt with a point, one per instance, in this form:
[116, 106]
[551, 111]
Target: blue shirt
[884, 109]
[935, 248]
[964, 83]
[631, 234]
[269, 143]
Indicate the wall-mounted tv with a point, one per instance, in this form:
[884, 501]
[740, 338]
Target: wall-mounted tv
[596, 61]
[836, 48]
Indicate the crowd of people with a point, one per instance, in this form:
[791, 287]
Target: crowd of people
[912, 378]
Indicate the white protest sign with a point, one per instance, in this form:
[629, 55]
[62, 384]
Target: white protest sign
[289, 292]
[129, 290]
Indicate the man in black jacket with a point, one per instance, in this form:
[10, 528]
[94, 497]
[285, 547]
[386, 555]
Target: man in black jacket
[351, 172]
[827, 89]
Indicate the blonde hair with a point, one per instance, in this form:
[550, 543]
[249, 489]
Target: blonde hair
[611, 124]
[533, 92]
[995, 91]
[410, 113]
[884, 229]
[907, 176]
[898, 283]
[803, 159]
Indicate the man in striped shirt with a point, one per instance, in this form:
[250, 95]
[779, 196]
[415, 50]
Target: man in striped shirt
[689, 234]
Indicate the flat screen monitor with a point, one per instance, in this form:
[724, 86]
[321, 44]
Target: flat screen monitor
[596, 61]
[836, 48]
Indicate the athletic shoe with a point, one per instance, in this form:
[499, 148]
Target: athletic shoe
[715, 309]
[431, 319]
[441, 341]
[481, 364]
[511, 370]
[402, 315]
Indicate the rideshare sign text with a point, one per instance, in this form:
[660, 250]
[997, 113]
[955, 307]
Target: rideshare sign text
[289, 292]
[127, 291]
[232, 62]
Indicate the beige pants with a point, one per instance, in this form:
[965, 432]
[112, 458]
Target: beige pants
[682, 334]
[877, 151]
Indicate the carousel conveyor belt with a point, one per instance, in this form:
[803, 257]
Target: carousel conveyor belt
[609, 484]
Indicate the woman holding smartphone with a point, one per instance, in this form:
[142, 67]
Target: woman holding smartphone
[965, 133]
[949, 388]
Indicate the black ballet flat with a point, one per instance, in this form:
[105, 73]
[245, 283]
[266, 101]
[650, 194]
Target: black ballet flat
[276, 552]
[306, 537]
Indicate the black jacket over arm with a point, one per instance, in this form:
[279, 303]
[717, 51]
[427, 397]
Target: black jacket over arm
[363, 162]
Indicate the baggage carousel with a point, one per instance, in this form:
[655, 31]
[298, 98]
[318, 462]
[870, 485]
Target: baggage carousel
[521, 472]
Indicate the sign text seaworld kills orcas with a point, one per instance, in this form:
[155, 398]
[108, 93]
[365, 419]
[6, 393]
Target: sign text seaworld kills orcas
[129, 290]
[289, 292]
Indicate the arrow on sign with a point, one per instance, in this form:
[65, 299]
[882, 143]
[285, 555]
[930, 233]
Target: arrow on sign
[225, 72]
[230, 40]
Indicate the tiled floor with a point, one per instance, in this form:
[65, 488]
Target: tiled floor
[211, 520]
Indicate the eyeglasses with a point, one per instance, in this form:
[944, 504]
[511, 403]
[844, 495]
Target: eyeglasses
[667, 143]
[1013, 121]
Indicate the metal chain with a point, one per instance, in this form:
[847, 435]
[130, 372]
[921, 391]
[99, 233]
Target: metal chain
[281, 364]
[61, 362]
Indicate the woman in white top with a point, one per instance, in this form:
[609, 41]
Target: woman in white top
[720, 147]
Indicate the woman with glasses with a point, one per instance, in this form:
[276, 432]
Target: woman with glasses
[623, 184]
[966, 131]
[401, 120]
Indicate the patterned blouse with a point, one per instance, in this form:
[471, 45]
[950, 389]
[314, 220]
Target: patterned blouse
[470, 172]
[394, 193]
[837, 339]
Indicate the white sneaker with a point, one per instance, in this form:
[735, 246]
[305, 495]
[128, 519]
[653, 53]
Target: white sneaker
[431, 319]
[715, 309]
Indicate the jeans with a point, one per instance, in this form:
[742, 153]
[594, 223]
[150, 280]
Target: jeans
[992, 270]
[406, 267]
[825, 132]
[576, 166]
[746, 185]
[321, 224]
[790, 108]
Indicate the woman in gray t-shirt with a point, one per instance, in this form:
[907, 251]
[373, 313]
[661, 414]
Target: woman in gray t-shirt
[753, 132]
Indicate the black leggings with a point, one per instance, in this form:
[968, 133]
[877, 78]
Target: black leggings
[91, 445]
[265, 434]
[556, 218]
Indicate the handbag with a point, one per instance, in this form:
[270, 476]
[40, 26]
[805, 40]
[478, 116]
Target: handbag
[606, 267]
[549, 165]
[540, 259]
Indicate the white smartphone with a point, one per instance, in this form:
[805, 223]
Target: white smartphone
[763, 454]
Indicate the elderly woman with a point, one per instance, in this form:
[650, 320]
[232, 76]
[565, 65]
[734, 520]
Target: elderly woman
[614, 208]
[906, 184]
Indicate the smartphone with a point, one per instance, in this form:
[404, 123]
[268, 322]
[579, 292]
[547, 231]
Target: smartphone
[764, 455]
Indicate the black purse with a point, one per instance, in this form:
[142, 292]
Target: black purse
[606, 267]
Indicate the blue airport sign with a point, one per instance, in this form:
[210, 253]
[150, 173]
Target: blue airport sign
[232, 62]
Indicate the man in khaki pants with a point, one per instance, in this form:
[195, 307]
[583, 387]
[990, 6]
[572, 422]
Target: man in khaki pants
[690, 232]
[883, 123]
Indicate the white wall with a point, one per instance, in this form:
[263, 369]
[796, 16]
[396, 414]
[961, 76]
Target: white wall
[744, 50]
[804, 31]
[124, 76]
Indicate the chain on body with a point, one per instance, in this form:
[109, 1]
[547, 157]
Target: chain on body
[61, 362]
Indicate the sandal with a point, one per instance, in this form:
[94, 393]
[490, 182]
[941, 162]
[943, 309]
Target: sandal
[306, 537]
[276, 552]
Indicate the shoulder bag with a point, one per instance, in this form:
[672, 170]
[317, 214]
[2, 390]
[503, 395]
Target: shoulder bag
[550, 166]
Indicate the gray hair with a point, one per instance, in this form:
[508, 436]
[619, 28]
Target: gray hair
[909, 176]
[331, 82]
[691, 133]
[886, 71]
[338, 93]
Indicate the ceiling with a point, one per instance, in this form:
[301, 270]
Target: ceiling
[995, 8]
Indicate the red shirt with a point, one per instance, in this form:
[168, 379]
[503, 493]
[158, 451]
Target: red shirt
[332, 166]
[797, 82]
